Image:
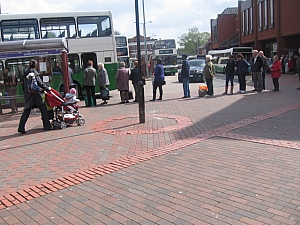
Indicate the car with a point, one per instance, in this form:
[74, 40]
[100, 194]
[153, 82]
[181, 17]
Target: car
[196, 71]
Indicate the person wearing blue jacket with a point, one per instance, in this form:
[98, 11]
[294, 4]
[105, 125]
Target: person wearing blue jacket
[242, 70]
[159, 79]
[185, 74]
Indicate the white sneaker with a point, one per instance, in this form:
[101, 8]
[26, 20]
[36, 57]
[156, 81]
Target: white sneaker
[239, 92]
[207, 96]
[243, 92]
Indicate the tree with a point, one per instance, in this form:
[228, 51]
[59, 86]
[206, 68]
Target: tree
[190, 41]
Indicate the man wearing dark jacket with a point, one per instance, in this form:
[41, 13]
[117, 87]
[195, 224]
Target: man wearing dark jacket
[256, 65]
[185, 75]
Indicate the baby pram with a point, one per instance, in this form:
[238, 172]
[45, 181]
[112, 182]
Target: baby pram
[65, 112]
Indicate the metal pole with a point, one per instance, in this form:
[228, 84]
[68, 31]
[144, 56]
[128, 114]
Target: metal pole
[65, 71]
[141, 82]
[145, 41]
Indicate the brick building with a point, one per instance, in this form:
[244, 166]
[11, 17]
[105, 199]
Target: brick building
[225, 29]
[270, 25]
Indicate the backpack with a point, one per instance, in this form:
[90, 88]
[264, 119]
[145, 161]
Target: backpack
[248, 65]
[32, 86]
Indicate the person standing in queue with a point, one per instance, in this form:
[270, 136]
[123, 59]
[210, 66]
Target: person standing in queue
[185, 75]
[209, 74]
[122, 79]
[134, 77]
[103, 81]
[89, 82]
[256, 65]
[276, 72]
[242, 70]
[159, 79]
[229, 71]
[33, 100]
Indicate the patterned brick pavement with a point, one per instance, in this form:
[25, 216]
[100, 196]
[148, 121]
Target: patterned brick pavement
[75, 155]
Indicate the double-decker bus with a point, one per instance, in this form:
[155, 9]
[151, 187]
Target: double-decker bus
[122, 50]
[90, 36]
[221, 57]
[167, 51]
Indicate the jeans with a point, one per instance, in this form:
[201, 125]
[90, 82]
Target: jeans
[210, 87]
[276, 84]
[229, 77]
[90, 92]
[257, 80]
[186, 88]
[242, 82]
[155, 86]
[26, 114]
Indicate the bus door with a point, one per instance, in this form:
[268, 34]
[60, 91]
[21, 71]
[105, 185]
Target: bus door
[85, 57]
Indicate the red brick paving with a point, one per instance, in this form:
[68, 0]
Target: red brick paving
[208, 119]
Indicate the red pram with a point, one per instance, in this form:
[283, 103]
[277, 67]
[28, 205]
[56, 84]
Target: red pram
[65, 112]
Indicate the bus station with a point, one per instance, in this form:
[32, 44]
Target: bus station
[17, 55]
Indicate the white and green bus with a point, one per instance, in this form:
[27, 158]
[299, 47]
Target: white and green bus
[221, 57]
[167, 51]
[90, 36]
[122, 50]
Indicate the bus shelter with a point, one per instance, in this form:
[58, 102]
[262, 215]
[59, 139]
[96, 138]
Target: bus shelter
[42, 49]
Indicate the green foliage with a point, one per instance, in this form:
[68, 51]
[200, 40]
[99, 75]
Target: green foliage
[189, 41]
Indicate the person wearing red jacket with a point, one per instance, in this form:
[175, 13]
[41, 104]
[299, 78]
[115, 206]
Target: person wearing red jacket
[276, 72]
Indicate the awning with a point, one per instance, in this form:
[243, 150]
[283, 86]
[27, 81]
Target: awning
[34, 45]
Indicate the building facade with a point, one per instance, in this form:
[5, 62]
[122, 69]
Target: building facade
[270, 25]
[225, 29]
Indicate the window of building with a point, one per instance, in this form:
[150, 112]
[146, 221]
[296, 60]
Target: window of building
[243, 23]
[251, 19]
[260, 16]
[265, 14]
[247, 21]
[94, 26]
[17, 30]
[271, 13]
[58, 27]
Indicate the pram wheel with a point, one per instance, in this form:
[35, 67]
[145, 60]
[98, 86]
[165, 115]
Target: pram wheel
[55, 124]
[80, 122]
[63, 125]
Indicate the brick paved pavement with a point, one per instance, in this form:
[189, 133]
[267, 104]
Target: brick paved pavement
[231, 122]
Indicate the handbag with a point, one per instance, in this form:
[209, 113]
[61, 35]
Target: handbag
[164, 82]
[130, 95]
[32, 86]
[104, 94]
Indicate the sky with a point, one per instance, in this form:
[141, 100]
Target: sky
[169, 18]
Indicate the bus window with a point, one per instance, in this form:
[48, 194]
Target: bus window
[56, 63]
[94, 26]
[121, 42]
[18, 66]
[85, 57]
[74, 62]
[58, 27]
[15, 30]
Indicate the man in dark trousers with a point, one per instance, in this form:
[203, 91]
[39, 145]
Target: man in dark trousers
[265, 68]
[256, 65]
[185, 75]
